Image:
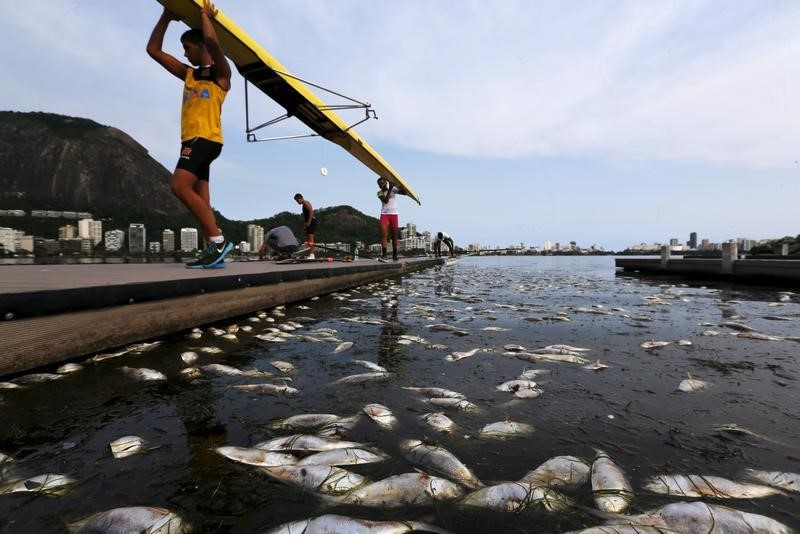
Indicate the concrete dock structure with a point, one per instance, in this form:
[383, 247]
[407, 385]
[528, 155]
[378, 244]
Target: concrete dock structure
[54, 313]
[771, 271]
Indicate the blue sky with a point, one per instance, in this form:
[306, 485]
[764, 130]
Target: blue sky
[603, 122]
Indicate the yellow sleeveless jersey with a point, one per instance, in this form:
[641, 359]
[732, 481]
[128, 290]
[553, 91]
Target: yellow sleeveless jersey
[201, 112]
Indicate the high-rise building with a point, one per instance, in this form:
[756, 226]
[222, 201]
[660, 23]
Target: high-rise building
[188, 239]
[673, 242]
[90, 229]
[168, 240]
[255, 236]
[66, 232]
[693, 240]
[8, 239]
[154, 247]
[548, 245]
[137, 237]
[114, 240]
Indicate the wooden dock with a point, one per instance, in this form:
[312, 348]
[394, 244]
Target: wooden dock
[760, 271]
[53, 313]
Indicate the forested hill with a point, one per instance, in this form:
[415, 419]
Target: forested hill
[63, 163]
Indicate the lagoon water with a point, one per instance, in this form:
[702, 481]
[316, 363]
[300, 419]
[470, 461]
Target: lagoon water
[630, 409]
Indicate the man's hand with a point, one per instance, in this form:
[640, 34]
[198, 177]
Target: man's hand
[209, 9]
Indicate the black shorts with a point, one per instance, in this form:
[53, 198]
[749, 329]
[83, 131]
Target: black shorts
[311, 227]
[197, 155]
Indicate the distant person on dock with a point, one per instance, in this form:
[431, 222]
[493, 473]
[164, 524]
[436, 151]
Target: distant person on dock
[309, 221]
[280, 240]
[204, 91]
[442, 237]
[389, 220]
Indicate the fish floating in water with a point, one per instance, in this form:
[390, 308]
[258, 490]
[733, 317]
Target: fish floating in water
[447, 402]
[343, 346]
[438, 421]
[691, 385]
[438, 459]
[516, 497]
[706, 486]
[146, 520]
[349, 456]
[382, 415]
[267, 389]
[331, 523]
[406, 489]
[523, 389]
[648, 345]
[776, 479]
[69, 368]
[254, 456]
[325, 479]
[49, 484]
[564, 471]
[143, 374]
[305, 442]
[611, 489]
[505, 429]
[455, 356]
[283, 367]
[362, 377]
[126, 446]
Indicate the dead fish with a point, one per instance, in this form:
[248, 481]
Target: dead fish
[596, 366]
[69, 368]
[505, 429]
[305, 442]
[211, 350]
[267, 389]
[524, 389]
[532, 374]
[403, 490]
[340, 427]
[514, 348]
[684, 343]
[254, 456]
[362, 377]
[738, 326]
[567, 471]
[126, 446]
[441, 327]
[106, 356]
[36, 378]
[562, 358]
[459, 404]
[438, 421]
[49, 483]
[436, 392]
[697, 518]
[495, 329]
[706, 486]
[647, 345]
[142, 373]
[516, 497]
[455, 356]
[776, 479]
[757, 336]
[143, 347]
[338, 457]
[691, 385]
[434, 458]
[227, 370]
[331, 523]
[189, 357]
[9, 385]
[306, 420]
[733, 428]
[709, 333]
[283, 367]
[611, 489]
[413, 339]
[191, 373]
[371, 366]
[343, 346]
[382, 415]
[143, 519]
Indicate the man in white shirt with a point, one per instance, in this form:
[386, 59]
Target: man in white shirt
[442, 237]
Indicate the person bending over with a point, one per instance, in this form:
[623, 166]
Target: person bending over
[442, 237]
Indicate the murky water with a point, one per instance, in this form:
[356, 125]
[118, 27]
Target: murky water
[630, 409]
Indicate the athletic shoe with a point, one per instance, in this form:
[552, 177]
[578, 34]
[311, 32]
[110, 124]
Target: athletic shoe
[383, 259]
[213, 257]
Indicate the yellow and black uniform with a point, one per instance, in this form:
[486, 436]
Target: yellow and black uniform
[201, 121]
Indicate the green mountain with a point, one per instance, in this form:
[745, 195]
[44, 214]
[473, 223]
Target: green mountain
[60, 163]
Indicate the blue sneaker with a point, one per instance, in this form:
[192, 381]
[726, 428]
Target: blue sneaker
[213, 257]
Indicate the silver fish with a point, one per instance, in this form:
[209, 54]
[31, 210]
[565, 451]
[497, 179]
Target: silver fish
[49, 483]
[227, 370]
[403, 490]
[567, 347]
[306, 420]
[438, 421]
[267, 389]
[126, 446]
[567, 471]
[596, 366]
[350, 456]
[689, 385]
[283, 367]
[701, 518]
[440, 460]
[505, 429]
[647, 345]
[524, 389]
[446, 402]
[756, 335]
[305, 442]
[706, 486]
[612, 491]
[776, 479]
[563, 358]
[331, 523]
[455, 356]
[362, 377]
[371, 366]
[69, 368]
[382, 415]
[35, 378]
[146, 520]
[189, 357]
[343, 346]
[340, 427]
[436, 392]
[143, 373]
[254, 456]
[325, 479]
[516, 497]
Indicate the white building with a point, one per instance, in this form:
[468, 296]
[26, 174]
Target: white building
[137, 237]
[115, 239]
[154, 247]
[67, 232]
[8, 239]
[168, 240]
[255, 236]
[90, 229]
[188, 239]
